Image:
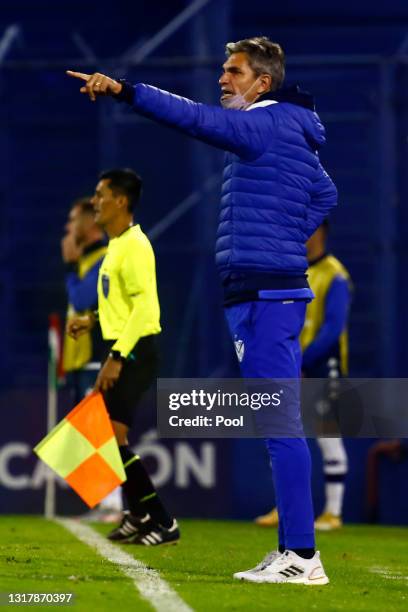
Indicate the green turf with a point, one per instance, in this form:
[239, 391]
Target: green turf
[200, 568]
[39, 556]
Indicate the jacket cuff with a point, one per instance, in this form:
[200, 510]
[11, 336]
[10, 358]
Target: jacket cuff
[126, 94]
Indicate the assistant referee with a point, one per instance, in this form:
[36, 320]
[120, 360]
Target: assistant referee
[129, 316]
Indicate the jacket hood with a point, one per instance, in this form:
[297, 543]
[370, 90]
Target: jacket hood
[312, 126]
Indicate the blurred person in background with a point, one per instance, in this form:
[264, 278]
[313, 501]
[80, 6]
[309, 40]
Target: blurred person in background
[83, 249]
[324, 342]
[275, 194]
[129, 317]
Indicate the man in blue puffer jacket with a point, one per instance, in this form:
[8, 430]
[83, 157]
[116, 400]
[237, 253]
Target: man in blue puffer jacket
[275, 194]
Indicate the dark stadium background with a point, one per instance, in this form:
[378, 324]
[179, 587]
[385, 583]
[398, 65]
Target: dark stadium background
[53, 143]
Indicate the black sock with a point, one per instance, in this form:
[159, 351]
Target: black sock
[305, 553]
[139, 490]
[128, 487]
[281, 548]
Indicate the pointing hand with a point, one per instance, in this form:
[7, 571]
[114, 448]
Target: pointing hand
[96, 84]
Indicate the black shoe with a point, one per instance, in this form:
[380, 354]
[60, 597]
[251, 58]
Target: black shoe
[128, 528]
[152, 534]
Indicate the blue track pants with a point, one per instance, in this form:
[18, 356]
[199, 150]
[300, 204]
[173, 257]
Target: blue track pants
[266, 334]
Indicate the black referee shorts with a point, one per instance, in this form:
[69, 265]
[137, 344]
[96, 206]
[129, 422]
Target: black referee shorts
[138, 373]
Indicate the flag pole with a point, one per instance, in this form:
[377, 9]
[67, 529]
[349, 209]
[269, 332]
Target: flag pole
[52, 406]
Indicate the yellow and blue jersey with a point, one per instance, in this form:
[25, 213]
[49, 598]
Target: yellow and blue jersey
[324, 338]
[81, 282]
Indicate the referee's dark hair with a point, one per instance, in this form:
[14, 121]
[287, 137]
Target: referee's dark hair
[126, 182]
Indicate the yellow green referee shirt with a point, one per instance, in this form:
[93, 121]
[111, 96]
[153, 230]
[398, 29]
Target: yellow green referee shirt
[128, 304]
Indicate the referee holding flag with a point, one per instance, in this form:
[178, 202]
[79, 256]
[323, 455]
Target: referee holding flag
[129, 316]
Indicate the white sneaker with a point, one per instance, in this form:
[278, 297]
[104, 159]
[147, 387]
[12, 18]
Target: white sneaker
[267, 560]
[291, 568]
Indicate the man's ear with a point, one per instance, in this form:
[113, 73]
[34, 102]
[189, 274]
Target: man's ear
[122, 202]
[265, 83]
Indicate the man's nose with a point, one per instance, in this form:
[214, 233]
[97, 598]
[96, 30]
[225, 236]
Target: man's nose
[223, 80]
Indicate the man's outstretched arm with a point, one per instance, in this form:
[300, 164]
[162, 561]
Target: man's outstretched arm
[243, 133]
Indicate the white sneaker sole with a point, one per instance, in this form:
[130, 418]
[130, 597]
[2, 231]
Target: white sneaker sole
[319, 581]
[242, 576]
[322, 580]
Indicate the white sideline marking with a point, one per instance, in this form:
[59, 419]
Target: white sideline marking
[387, 573]
[151, 587]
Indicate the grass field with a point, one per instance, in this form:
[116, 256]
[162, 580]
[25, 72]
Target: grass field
[368, 568]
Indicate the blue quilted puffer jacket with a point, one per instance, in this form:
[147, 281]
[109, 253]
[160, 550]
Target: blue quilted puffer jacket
[275, 192]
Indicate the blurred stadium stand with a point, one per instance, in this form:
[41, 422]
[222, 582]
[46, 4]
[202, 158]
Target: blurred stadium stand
[53, 143]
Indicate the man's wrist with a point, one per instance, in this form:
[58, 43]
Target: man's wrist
[91, 318]
[116, 356]
[126, 94]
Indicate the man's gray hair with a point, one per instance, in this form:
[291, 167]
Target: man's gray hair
[264, 57]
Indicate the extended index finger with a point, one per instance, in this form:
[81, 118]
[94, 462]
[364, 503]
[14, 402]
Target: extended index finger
[78, 75]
